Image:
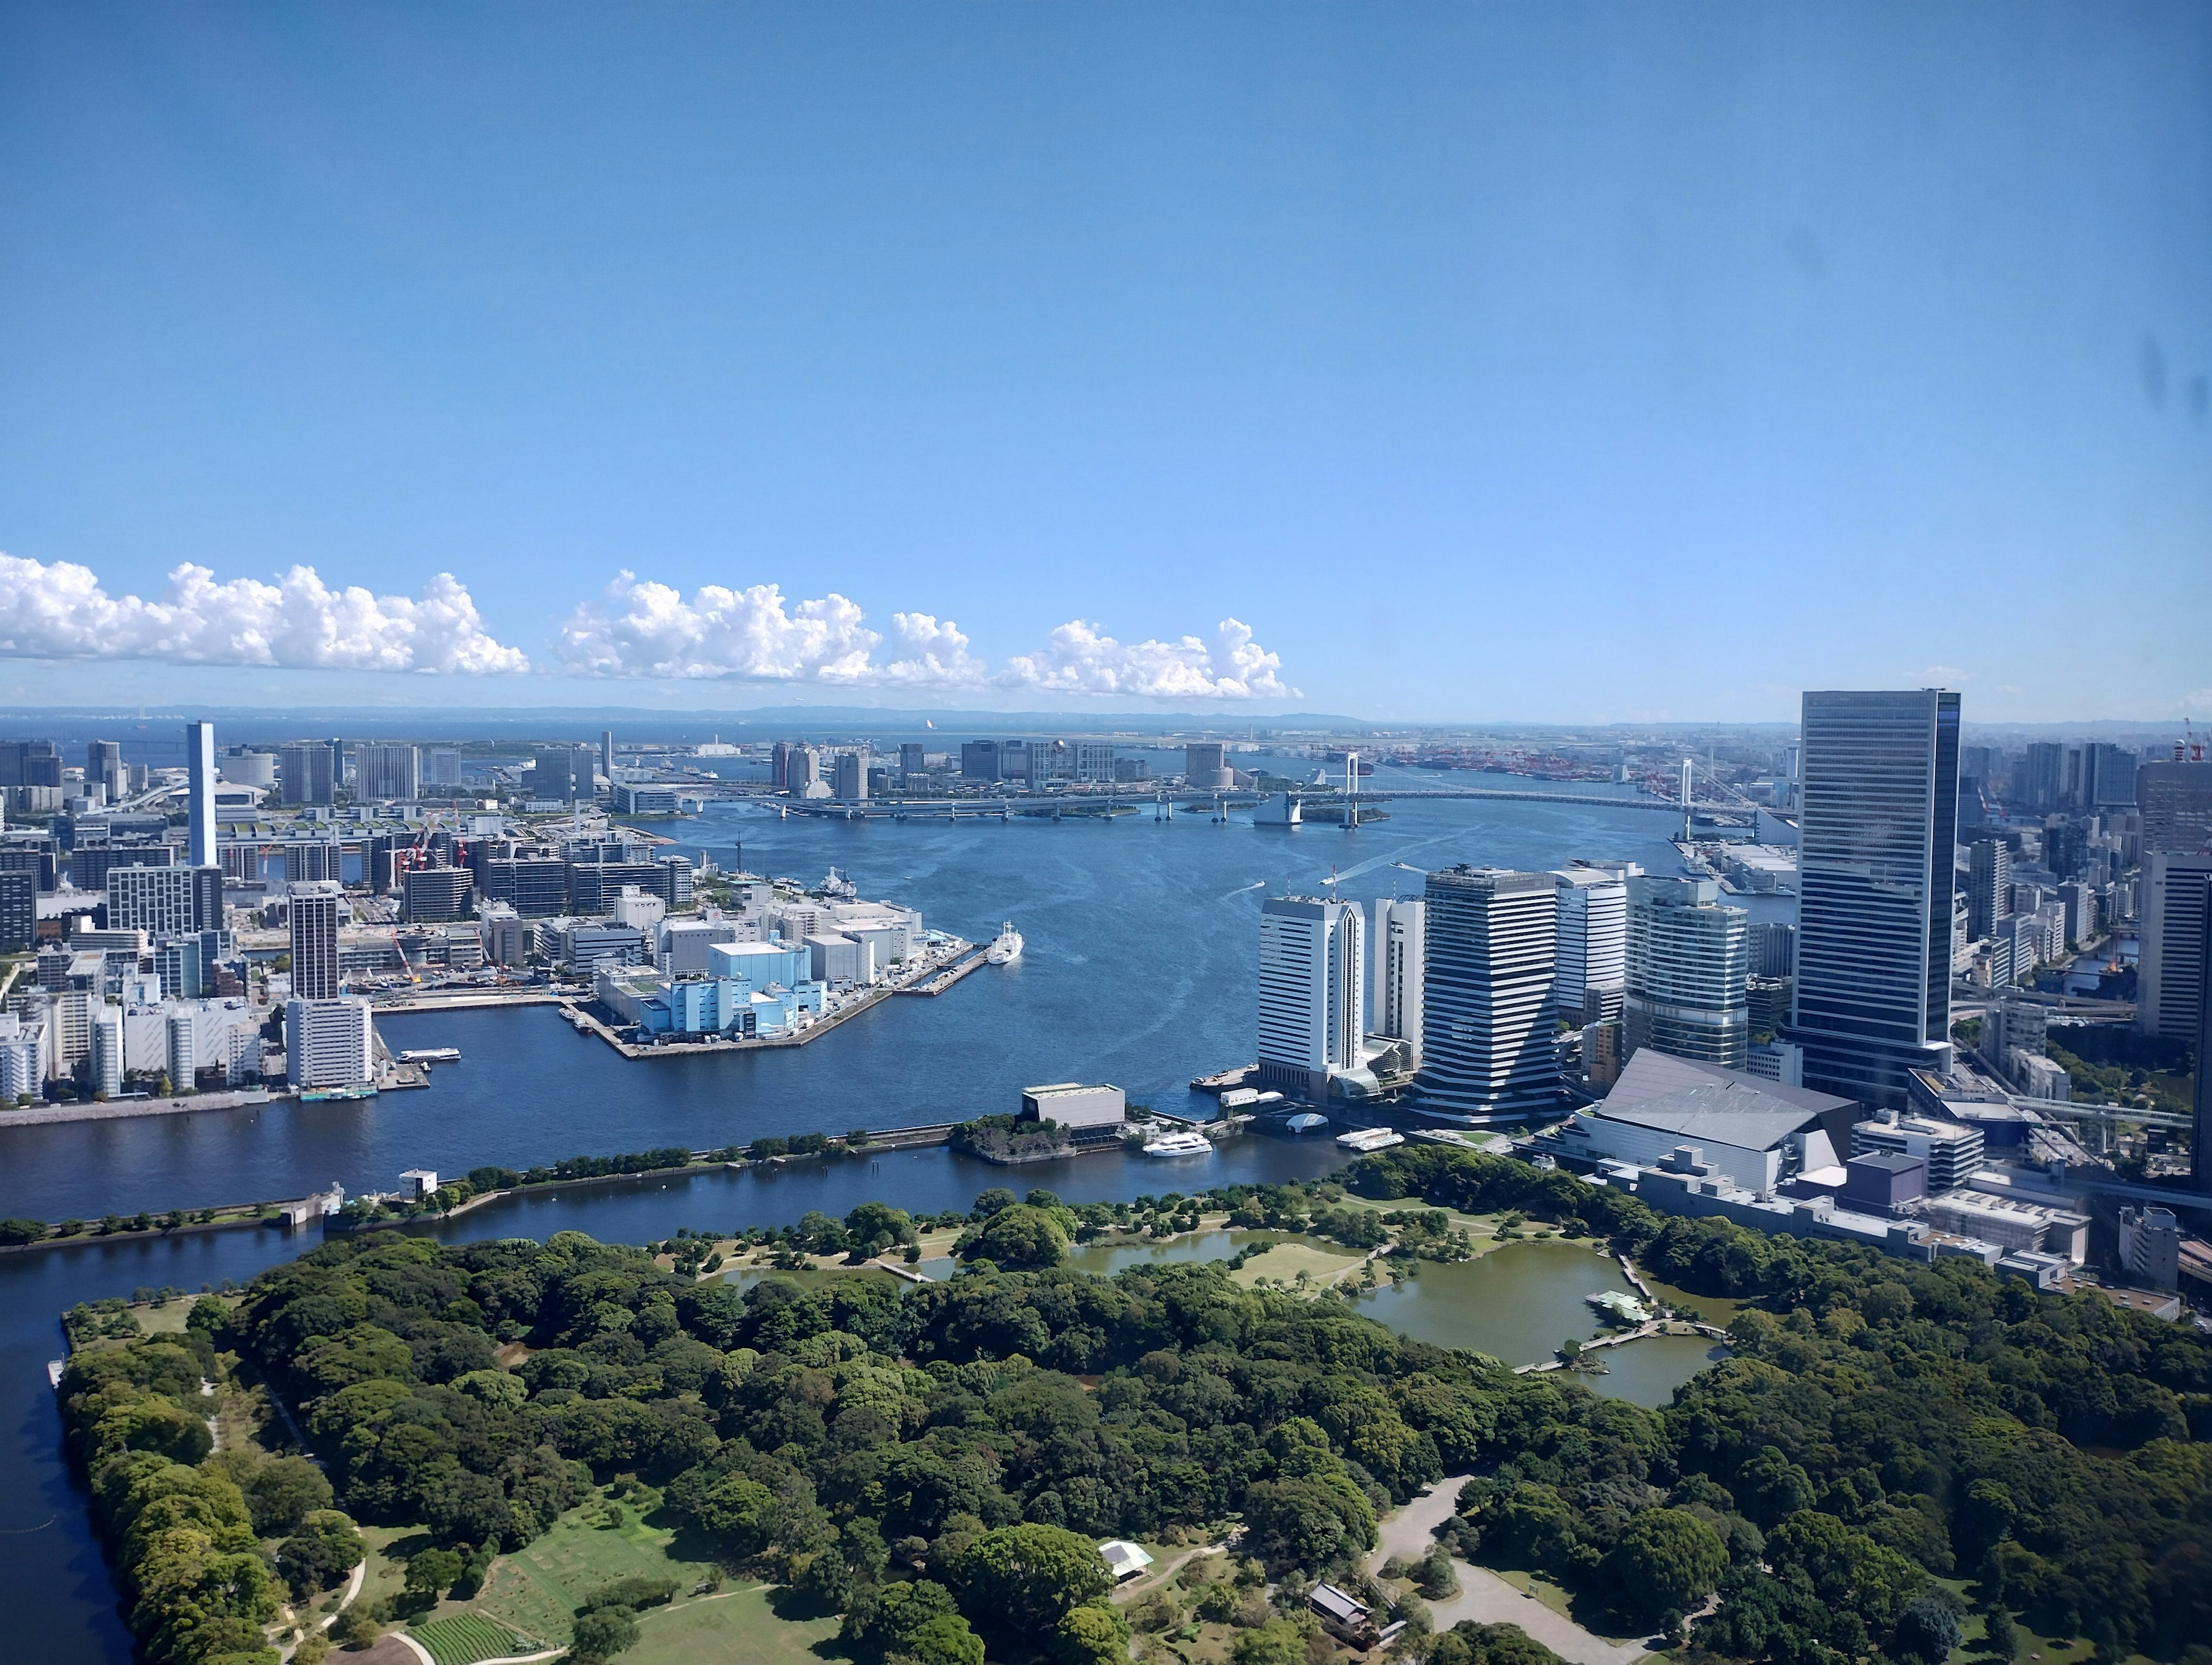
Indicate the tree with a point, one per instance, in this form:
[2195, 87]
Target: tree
[282, 1492]
[320, 1554]
[433, 1571]
[2000, 1636]
[1026, 1577]
[356, 1628]
[602, 1633]
[874, 1227]
[946, 1640]
[15, 1231]
[1277, 1642]
[738, 1514]
[1667, 1560]
[1019, 1237]
[1928, 1629]
[1095, 1633]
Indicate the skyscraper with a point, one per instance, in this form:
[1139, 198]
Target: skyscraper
[304, 772]
[1590, 964]
[200, 770]
[1397, 954]
[2200, 1148]
[1488, 1045]
[607, 753]
[1688, 959]
[103, 767]
[1876, 857]
[158, 901]
[1989, 886]
[2040, 780]
[851, 769]
[2170, 977]
[2176, 799]
[1312, 993]
[315, 909]
[387, 774]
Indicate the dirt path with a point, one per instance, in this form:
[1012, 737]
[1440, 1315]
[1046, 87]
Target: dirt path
[1483, 1596]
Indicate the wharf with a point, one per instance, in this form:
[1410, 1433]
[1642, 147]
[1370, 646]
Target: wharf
[116, 1109]
[587, 1024]
[944, 979]
[1224, 1080]
[463, 1002]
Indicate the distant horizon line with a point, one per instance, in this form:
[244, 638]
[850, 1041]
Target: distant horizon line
[971, 721]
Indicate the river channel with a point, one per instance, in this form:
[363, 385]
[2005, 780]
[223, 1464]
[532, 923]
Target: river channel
[1139, 969]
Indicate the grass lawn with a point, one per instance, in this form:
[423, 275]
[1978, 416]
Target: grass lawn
[388, 1548]
[537, 1588]
[735, 1627]
[1293, 1255]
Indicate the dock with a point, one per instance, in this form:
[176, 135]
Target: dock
[944, 979]
[1224, 1080]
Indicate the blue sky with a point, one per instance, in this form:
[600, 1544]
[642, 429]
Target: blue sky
[1577, 363]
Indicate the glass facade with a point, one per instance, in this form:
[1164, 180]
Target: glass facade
[1488, 1043]
[1879, 827]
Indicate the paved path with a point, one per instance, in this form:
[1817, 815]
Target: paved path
[1483, 1596]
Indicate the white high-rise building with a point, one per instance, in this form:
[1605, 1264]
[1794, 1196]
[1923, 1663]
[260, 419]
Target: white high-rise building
[200, 768]
[106, 1027]
[314, 913]
[1397, 949]
[2171, 974]
[1312, 992]
[1488, 1041]
[387, 774]
[155, 900]
[327, 1043]
[1590, 964]
[183, 1052]
[1687, 961]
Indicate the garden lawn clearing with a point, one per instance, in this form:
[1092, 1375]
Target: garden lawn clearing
[537, 1588]
[734, 1627]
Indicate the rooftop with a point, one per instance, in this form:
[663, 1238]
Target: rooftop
[1702, 1102]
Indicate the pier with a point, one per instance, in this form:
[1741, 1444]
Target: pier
[944, 980]
[1072, 807]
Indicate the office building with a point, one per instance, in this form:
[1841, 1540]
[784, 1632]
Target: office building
[158, 901]
[536, 887]
[328, 1043]
[2108, 777]
[2200, 1147]
[1090, 761]
[1989, 886]
[1952, 1151]
[1590, 964]
[387, 774]
[435, 895]
[779, 765]
[803, 772]
[90, 864]
[2038, 778]
[30, 763]
[2176, 802]
[851, 769]
[1687, 963]
[2150, 1246]
[1206, 765]
[607, 753]
[304, 775]
[19, 909]
[979, 760]
[553, 775]
[1397, 952]
[2170, 973]
[183, 972]
[103, 767]
[1773, 948]
[249, 768]
[1312, 993]
[1488, 1045]
[912, 759]
[105, 1026]
[199, 786]
[314, 920]
[1876, 869]
[441, 767]
[183, 1061]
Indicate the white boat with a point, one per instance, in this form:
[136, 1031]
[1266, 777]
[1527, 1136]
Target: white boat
[838, 888]
[1006, 948]
[1365, 1140]
[1180, 1145]
[1307, 1121]
[431, 1055]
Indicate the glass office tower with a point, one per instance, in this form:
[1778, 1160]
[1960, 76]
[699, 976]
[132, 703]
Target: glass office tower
[1489, 1046]
[1878, 830]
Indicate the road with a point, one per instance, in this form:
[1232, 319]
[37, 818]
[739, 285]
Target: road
[1483, 1596]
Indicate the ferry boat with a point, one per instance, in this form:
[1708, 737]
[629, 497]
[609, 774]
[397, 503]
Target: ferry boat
[1362, 1140]
[1184, 1144]
[1007, 946]
[326, 1095]
[431, 1055]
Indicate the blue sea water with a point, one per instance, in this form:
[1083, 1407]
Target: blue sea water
[1138, 969]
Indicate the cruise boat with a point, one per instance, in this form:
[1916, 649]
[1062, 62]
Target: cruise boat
[431, 1055]
[1184, 1144]
[1007, 946]
[1365, 1140]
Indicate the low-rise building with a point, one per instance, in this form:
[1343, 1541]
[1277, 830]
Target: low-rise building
[1951, 1151]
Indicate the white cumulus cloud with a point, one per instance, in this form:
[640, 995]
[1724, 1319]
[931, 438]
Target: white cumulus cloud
[639, 628]
[1082, 660]
[58, 611]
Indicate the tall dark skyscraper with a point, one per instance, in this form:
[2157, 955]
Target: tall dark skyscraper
[1875, 882]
